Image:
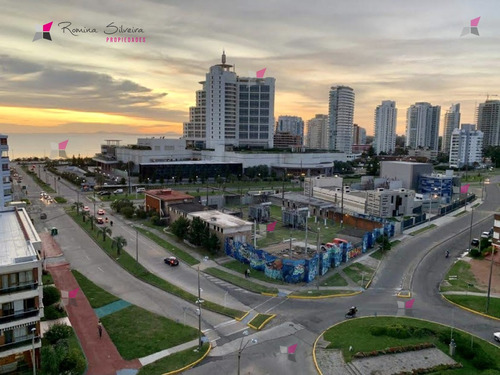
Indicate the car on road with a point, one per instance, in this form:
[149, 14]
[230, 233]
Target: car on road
[475, 242]
[86, 209]
[100, 220]
[171, 261]
[485, 235]
[140, 190]
[43, 216]
[104, 192]
[118, 191]
[496, 336]
[100, 211]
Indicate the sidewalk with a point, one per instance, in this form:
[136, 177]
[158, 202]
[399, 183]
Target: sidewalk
[102, 356]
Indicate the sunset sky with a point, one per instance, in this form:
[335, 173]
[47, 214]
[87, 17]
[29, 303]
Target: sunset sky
[385, 50]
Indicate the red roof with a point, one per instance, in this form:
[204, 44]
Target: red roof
[168, 194]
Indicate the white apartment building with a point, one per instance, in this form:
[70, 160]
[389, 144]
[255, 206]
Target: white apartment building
[317, 132]
[466, 148]
[341, 113]
[488, 121]
[390, 203]
[347, 202]
[20, 291]
[321, 181]
[422, 126]
[385, 127]
[5, 184]
[290, 124]
[238, 111]
[451, 122]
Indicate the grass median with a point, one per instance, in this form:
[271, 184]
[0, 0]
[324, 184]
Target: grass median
[477, 303]
[96, 296]
[335, 280]
[45, 187]
[260, 320]
[380, 333]
[321, 293]
[359, 273]
[129, 264]
[423, 229]
[238, 281]
[460, 278]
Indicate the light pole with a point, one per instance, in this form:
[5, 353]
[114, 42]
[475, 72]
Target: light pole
[317, 253]
[342, 206]
[136, 245]
[33, 331]
[198, 302]
[240, 350]
[470, 230]
[489, 280]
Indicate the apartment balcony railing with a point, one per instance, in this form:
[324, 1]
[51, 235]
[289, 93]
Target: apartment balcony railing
[19, 315]
[19, 288]
[20, 341]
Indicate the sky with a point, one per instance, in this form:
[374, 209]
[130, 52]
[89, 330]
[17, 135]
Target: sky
[385, 50]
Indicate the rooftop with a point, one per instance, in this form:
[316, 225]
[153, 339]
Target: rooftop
[189, 162]
[168, 194]
[223, 220]
[16, 234]
[188, 207]
[303, 199]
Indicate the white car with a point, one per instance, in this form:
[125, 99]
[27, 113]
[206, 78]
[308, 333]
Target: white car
[86, 209]
[496, 336]
[118, 191]
[140, 190]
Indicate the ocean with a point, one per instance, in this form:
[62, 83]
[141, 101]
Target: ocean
[26, 145]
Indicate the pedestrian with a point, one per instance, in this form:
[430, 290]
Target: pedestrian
[248, 272]
[111, 222]
[99, 328]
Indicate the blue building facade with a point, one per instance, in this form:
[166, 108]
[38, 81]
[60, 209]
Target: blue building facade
[436, 186]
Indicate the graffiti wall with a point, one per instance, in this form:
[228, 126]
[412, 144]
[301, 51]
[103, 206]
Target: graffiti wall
[303, 270]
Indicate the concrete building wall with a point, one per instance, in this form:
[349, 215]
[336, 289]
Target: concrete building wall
[406, 172]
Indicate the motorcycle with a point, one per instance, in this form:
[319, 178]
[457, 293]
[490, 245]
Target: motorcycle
[351, 313]
[447, 254]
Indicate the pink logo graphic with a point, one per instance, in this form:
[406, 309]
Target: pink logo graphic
[473, 27]
[260, 73]
[270, 227]
[69, 297]
[464, 189]
[292, 348]
[409, 304]
[73, 293]
[58, 150]
[43, 32]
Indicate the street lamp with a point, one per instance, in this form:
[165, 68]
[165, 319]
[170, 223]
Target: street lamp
[489, 281]
[240, 350]
[33, 331]
[198, 302]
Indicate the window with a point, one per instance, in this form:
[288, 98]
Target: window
[264, 96]
[264, 104]
[255, 96]
[264, 88]
[254, 88]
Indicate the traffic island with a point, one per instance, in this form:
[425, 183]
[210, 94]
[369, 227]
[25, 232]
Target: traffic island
[260, 320]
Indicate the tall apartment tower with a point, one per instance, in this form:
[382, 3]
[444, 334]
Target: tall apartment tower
[488, 121]
[293, 125]
[422, 126]
[341, 113]
[231, 111]
[317, 132]
[466, 147]
[358, 135]
[385, 127]
[5, 184]
[451, 122]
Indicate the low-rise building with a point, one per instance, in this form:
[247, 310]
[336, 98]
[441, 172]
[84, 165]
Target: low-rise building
[496, 232]
[435, 186]
[177, 210]
[350, 201]
[20, 291]
[317, 207]
[321, 181]
[407, 172]
[159, 200]
[386, 203]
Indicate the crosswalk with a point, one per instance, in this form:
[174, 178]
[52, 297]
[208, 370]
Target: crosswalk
[226, 285]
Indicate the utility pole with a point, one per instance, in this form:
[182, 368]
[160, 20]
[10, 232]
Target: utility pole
[489, 280]
[342, 206]
[136, 245]
[307, 219]
[317, 253]
[470, 230]
[199, 310]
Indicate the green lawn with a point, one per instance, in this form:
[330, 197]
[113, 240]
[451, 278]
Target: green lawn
[258, 320]
[359, 273]
[358, 333]
[137, 332]
[96, 296]
[181, 254]
[395, 243]
[47, 279]
[73, 345]
[238, 281]
[174, 361]
[45, 187]
[477, 303]
[136, 269]
[335, 280]
[60, 199]
[460, 213]
[377, 254]
[320, 293]
[461, 270]
[112, 197]
[237, 266]
[422, 229]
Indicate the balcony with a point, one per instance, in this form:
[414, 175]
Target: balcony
[20, 342]
[19, 288]
[19, 315]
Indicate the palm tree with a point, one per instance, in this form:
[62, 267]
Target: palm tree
[120, 242]
[105, 230]
[77, 206]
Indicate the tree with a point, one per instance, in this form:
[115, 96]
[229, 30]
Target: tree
[105, 230]
[196, 232]
[373, 167]
[180, 228]
[212, 243]
[120, 242]
[128, 212]
[77, 206]
[384, 243]
[119, 204]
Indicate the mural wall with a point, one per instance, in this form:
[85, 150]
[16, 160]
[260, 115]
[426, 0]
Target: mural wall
[303, 270]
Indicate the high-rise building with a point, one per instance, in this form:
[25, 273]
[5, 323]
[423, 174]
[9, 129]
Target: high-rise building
[466, 148]
[422, 126]
[385, 127]
[451, 122]
[468, 127]
[488, 121]
[231, 111]
[317, 132]
[340, 121]
[358, 135]
[5, 184]
[292, 125]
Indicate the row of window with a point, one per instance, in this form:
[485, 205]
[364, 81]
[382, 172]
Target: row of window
[253, 96]
[16, 279]
[253, 135]
[254, 112]
[254, 120]
[254, 88]
[254, 128]
[254, 104]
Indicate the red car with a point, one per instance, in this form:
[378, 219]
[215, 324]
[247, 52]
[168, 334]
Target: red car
[171, 261]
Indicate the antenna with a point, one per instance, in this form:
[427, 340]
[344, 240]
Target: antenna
[488, 96]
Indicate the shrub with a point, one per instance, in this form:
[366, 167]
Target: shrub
[378, 331]
[128, 212]
[483, 361]
[60, 200]
[53, 312]
[51, 295]
[73, 363]
[398, 331]
[57, 332]
[475, 253]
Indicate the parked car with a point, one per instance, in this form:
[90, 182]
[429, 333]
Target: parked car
[118, 191]
[496, 336]
[171, 261]
[100, 211]
[485, 235]
[100, 220]
[43, 216]
[104, 192]
[475, 242]
[86, 209]
[140, 190]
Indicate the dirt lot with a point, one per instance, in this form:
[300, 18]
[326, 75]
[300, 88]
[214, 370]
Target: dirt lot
[481, 270]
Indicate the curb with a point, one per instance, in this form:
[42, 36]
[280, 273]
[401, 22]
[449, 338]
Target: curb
[327, 296]
[263, 323]
[243, 317]
[191, 364]
[468, 309]
[269, 294]
[404, 294]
